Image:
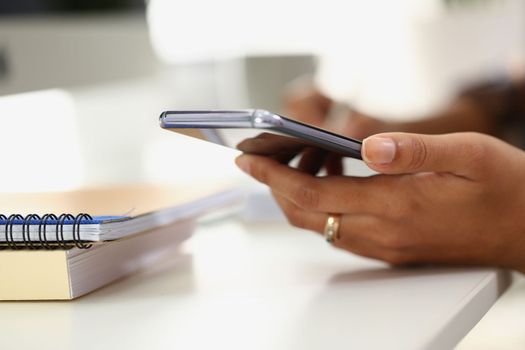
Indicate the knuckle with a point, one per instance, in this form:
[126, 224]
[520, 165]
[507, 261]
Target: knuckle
[395, 209]
[260, 173]
[419, 153]
[475, 149]
[307, 196]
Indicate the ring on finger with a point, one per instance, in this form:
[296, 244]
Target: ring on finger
[331, 228]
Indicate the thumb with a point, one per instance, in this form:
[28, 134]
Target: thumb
[401, 153]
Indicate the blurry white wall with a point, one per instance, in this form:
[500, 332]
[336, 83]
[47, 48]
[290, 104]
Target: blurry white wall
[393, 58]
[397, 59]
[406, 64]
[39, 142]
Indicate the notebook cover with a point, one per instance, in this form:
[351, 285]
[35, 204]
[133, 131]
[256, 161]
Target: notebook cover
[110, 201]
[34, 274]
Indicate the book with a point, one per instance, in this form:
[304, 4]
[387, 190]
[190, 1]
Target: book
[68, 274]
[129, 228]
[80, 218]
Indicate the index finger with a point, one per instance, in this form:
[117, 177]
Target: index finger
[334, 194]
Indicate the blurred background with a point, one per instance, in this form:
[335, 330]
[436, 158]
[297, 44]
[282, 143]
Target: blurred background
[82, 83]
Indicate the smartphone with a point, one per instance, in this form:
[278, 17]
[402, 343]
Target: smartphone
[257, 131]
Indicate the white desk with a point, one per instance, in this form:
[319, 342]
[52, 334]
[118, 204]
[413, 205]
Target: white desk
[262, 287]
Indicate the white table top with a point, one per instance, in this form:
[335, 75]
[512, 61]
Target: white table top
[265, 286]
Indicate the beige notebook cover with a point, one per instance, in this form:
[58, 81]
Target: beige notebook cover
[118, 200]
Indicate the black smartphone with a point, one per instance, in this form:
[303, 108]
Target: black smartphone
[257, 131]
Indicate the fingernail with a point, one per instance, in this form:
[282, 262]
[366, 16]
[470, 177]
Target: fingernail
[379, 150]
[243, 163]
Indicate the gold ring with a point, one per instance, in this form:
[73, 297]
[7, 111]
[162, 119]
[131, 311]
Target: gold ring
[331, 229]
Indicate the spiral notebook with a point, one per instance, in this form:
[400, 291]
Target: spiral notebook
[81, 218]
[45, 255]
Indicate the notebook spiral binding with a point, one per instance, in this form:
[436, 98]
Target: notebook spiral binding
[43, 242]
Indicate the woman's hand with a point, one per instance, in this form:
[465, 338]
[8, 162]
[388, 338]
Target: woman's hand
[453, 199]
[467, 112]
[306, 103]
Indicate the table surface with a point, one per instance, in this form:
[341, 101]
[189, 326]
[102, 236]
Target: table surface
[262, 286]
